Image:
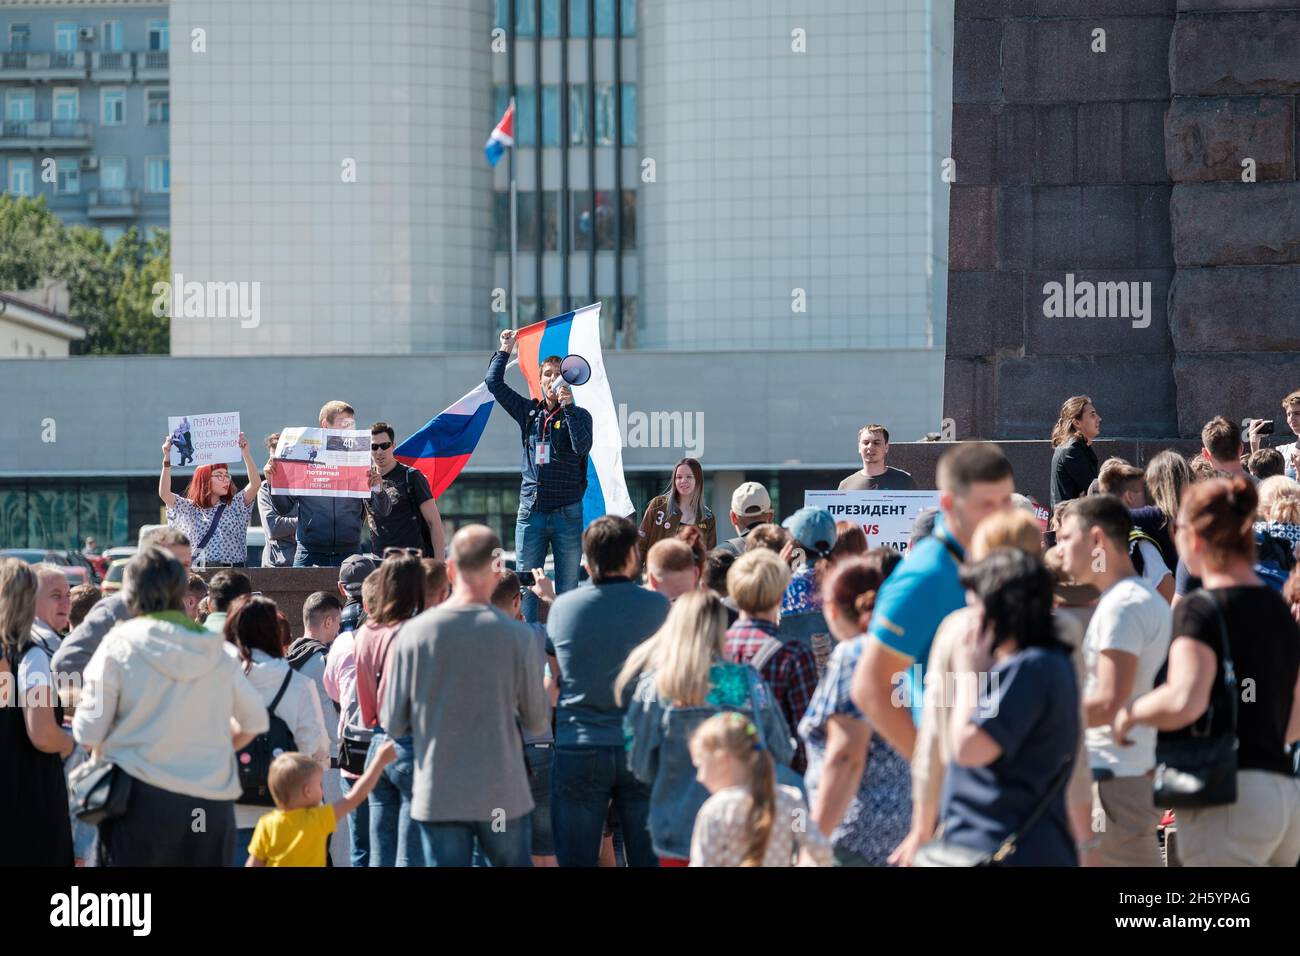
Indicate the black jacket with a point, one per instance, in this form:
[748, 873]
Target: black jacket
[1074, 466]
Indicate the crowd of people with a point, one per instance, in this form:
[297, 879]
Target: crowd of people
[1006, 693]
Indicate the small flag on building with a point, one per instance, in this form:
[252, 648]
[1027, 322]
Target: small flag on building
[502, 136]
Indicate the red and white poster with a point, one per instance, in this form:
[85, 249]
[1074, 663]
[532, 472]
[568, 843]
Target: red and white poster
[324, 462]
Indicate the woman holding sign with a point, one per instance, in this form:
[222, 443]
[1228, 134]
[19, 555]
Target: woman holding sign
[211, 514]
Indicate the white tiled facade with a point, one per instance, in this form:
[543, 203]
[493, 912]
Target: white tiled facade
[396, 262]
[780, 170]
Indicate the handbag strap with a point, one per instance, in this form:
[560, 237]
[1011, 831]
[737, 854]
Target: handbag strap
[1009, 844]
[280, 693]
[212, 527]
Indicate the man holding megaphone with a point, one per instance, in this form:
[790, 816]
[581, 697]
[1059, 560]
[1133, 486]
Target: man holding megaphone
[556, 437]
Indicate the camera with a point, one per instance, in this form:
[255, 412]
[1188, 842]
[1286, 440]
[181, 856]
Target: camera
[1265, 429]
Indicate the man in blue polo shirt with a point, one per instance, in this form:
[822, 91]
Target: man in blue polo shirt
[975, 480]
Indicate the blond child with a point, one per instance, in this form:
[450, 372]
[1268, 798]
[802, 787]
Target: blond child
[748, 820]
[295, 832]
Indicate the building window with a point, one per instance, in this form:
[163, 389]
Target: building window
[629, 114]
[585, 225]
[112, 172]
[67, 103]
[65, 36]
[20, 37]
[501, 219]
[550, 221]
[159, 106]
[113, 233]
[526, 116]
[579, 115]
[159, 35]
[629, 18]
[629, 219]
[550, 18]
[112, 106]
[110, 39]
[501, 18]
[527, 211]
[20, 177]
[604, 114]
[20, 105]
[69, 177]
[578, 24]
[525, 18]
[605, 18]
[159, 169]
[551, 307]
[550, 116]
[527, 310]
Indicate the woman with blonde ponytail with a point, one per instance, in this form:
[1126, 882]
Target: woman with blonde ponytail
[748, 820]
[681, 680]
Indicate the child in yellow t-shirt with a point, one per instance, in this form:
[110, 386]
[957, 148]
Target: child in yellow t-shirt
[294, 833]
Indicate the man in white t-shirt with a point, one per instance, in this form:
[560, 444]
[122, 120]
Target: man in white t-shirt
[1125, 646]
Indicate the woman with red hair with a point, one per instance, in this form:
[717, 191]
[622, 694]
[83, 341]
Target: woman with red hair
[211, 514]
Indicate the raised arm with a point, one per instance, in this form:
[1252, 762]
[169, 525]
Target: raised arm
[516, 405]
[254, 476]
[165, 478]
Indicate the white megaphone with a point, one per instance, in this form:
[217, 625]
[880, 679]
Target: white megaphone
[575, 370]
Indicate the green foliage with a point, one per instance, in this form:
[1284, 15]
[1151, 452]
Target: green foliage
[110, 288]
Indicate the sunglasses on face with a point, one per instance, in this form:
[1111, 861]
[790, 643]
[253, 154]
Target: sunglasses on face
[381, 446]
[398, 552]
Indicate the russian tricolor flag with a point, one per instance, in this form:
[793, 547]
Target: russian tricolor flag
[502, 136]
[442, 448]
[578, 333]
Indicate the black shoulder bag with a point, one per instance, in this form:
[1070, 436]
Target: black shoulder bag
[942, 852]
[1201, 770]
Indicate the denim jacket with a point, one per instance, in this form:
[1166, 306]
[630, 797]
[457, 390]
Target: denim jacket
[658, 737]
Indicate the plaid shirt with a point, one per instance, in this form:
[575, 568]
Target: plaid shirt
[791, 672]
[563, 480]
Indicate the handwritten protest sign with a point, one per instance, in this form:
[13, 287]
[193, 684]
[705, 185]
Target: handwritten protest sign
[205, 439]
[885, 516]
[324, 462]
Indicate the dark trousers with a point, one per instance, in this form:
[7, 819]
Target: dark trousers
[161, 828]
[584, 782]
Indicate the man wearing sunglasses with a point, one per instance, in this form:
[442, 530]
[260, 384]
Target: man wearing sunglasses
[412, 521]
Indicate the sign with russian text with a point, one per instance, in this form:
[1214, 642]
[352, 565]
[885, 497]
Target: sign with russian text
[885, 516]
[205, 439]
[322, 462]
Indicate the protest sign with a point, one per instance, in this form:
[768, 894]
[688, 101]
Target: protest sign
[885, 516]
[205, 439]
[324, 462]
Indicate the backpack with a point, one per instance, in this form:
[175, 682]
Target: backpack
[303, 650]
[1136, 536]
[255, 759]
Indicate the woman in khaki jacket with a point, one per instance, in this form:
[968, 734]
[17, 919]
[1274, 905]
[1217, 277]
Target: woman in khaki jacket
[683, 504]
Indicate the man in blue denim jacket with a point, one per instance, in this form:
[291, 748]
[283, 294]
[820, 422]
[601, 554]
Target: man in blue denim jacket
[556, 437]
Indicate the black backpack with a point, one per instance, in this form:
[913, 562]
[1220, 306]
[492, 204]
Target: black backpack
[255, 759]
[425, 535]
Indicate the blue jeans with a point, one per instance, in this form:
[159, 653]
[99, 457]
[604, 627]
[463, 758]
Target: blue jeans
[243, 837]
[584, 781]
[303, 558]
[452, 844]
[541, 759]
[561, 530]
[394, 840]
[358, 826]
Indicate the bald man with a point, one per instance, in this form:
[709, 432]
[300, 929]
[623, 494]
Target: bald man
[483, 669]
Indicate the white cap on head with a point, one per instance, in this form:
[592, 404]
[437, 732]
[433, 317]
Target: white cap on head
[750, 498]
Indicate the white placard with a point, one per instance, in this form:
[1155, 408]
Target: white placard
[885, 516]
[205, 439]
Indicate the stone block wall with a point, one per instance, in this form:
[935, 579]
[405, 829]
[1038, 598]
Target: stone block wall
[1104, 141]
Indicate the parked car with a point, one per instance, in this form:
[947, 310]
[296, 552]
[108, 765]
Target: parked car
[76, 559]
[113, 579]
[112, 554]
[75, 574]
